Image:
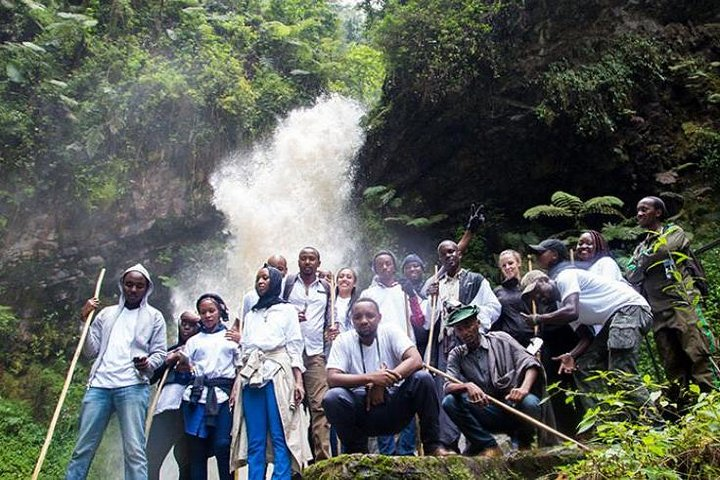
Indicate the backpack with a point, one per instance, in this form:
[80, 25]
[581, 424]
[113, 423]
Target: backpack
[697, 272]
[290, 282]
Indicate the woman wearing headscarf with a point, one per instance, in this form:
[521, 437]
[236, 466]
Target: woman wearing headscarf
[206, 409]
[594, 255]
[269, 386]
[660, 269]
[168, 428]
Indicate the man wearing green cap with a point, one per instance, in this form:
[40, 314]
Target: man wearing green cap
[490, 364]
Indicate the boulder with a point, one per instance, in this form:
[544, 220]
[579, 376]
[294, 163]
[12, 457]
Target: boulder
[527, 464]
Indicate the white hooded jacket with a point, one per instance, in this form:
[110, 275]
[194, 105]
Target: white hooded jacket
[149, 339]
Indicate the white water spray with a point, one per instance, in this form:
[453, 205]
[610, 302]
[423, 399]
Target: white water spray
[287, 193]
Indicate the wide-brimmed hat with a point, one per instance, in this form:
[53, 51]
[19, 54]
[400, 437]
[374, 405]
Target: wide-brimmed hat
[530, 280]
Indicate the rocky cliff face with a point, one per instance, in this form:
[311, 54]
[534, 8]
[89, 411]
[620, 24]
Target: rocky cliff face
[53, 251]
[592, 98]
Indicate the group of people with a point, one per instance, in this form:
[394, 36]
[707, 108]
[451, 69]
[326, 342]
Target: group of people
[238, 388]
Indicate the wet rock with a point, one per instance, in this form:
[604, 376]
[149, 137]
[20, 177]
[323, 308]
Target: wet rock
[530, 464]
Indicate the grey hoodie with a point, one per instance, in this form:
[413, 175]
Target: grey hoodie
[149, 339]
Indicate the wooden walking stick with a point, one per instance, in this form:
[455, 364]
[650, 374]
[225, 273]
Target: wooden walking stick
[433, 307]
[153, 404]
[533, 305]
[66, 385]
[512, 410]
[333, 320]
[239, 323]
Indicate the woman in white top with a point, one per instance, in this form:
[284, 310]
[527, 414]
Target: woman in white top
[345, 296]
[212, 357]
[593, 252]
[269, 385]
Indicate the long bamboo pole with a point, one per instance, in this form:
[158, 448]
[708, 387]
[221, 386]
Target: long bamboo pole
[433, 308]
[66, 385]
[510, 409]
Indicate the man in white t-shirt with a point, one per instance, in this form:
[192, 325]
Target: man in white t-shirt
[377, 384]
[400, 306]
[617, 315]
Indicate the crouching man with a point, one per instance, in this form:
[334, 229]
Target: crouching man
[377, 385]
[492, 364]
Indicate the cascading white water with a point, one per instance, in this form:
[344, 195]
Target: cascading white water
[284, 194]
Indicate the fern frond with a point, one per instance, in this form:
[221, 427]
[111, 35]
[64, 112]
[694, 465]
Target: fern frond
[546, 211]
[388, 196]
[606, 201]
[604, 210]
[612, 232]
[567, 201]
[399, 219]
[374, 191]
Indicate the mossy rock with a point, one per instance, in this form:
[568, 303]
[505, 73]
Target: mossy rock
[531, 464]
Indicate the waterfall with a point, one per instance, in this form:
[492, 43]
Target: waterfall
[287, 192]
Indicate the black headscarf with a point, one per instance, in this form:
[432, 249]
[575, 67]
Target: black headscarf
[272, 296]
[222, 309]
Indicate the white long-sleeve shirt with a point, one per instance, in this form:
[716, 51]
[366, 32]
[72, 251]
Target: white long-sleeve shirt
[272, 328]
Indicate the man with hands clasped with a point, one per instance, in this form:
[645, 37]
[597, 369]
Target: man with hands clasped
[377, 385]
[490, 364]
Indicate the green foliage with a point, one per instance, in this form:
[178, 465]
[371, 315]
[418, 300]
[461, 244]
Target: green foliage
[360, 73]
[26, 406]
[704, 146]
[92, 92]
[565, 205]
[389, 205]
[26, 344]
[711, 264]
[437, 47]
[627, 230]
[687, 448]
[596, 95]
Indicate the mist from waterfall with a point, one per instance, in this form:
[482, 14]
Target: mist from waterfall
[288, 192]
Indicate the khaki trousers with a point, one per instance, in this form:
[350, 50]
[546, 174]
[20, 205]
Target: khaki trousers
[315, 383]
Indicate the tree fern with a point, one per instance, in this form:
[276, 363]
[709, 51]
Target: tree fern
[607, 205]
[566, 205]
[567, 201]
[546, 211]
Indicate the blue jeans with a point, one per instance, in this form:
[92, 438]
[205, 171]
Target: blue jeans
[215, 441]
[130, 404]
[262, 417]
[477, 422]
[405, 444]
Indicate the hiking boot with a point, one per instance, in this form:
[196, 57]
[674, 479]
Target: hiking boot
[492, 452]
[440, 452]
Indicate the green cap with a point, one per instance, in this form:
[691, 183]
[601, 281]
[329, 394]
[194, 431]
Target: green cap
[462, 313]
